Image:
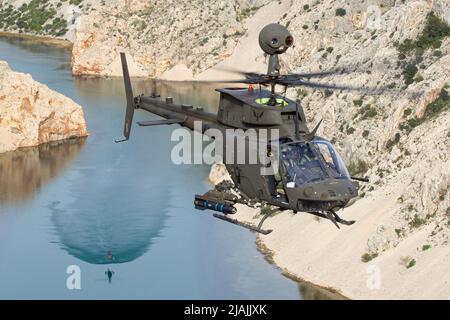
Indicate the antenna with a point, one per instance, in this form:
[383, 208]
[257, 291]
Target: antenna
[297, 125]
[154, 94]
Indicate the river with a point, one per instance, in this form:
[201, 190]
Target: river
[126, 207]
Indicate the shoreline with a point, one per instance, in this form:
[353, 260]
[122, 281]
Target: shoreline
[324, 291]
[46, 40]
[68, 45]
[332, 261]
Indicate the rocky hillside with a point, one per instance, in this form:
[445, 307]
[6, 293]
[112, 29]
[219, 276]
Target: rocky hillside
[158, 35]
[32, 114]
[400, 140]
[55, 18]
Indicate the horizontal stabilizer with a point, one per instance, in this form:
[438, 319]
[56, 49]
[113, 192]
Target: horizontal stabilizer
[159, 122]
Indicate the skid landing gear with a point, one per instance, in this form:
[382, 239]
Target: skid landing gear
[243, 224]
[333, 217]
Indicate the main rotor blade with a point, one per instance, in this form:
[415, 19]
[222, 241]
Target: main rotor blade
[319, 74]
[240, 72]
[243, 81]
[317, 85]
[335, 71]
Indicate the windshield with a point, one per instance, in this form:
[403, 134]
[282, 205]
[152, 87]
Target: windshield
[309, 162]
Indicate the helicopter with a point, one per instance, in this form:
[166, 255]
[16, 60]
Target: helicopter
[311, 176]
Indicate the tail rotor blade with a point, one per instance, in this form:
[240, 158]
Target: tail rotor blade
[129, 96]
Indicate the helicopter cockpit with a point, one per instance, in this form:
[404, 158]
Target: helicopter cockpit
[307, 162]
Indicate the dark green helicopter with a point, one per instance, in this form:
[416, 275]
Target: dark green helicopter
[312, 177]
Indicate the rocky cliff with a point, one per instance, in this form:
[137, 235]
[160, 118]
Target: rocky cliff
[32, 114]
[159, 35]
[400, 140]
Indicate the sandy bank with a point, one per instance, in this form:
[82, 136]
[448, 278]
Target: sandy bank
[316, 251]
[30, 39]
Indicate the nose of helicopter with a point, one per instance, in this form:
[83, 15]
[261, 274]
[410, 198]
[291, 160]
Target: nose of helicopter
[327, 190]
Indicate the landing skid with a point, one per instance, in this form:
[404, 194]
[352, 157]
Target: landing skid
[333, 217]
[221, 200]
[243, 224]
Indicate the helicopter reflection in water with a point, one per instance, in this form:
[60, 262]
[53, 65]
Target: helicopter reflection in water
[113, 218]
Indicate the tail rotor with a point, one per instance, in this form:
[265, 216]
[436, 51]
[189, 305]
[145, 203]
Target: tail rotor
[130, 99]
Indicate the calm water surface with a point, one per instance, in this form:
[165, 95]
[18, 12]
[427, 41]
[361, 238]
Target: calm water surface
[126, 207]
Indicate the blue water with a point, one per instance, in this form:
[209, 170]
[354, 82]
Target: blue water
[98, 205]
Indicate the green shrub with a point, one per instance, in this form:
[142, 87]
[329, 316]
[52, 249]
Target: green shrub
[408, 261]
[328, 93]
[358, 102]
[392, 142]
[432, 35]
[366, 257]
[246, 13]
[350, 130]
[409, 72]
[407, 112]
[400, 232]
[434, 32]
[440, 104]
[416, 222]
[426, 247]
[204, 41]
[411, 263]
[367, 112]
[359, 167]
[340, 12]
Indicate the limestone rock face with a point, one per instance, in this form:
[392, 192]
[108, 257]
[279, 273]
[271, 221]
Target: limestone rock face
[32, 114]
[409, 165]
[407, 162]
[158, 35]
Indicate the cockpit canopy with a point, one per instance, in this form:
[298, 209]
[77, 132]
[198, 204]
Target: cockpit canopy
[306, 162]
